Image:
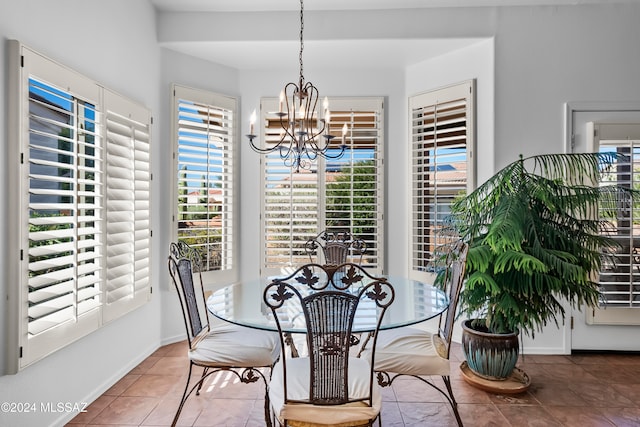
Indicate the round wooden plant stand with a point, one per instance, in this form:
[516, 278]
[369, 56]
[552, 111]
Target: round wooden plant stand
[518, 382]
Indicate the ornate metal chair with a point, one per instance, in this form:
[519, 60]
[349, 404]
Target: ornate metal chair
[329, 387]
[216, 348]
[418, 353]
[336, 248]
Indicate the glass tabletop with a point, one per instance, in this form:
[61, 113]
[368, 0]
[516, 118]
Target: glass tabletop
[243, 304]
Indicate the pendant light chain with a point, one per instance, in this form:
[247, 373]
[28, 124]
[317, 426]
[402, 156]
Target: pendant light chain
[301, 40]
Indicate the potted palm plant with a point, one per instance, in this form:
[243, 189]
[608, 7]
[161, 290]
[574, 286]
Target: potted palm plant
[535, 235]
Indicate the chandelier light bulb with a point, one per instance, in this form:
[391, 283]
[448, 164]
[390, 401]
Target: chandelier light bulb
[252, 122]
[345, 129]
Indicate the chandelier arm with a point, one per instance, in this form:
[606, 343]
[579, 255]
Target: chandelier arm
[314, 145]
[285, 150]
[260, 149]
[289, 161]
[285, 127]
[326, 155]
[311, 154]
[314, 136]
[291, 110]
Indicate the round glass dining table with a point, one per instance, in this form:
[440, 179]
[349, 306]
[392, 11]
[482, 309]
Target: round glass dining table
[243, 304]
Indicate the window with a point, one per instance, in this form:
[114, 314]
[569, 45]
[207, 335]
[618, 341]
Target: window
[442, 142]
[345, 194]
[205, 138]
[83, 191]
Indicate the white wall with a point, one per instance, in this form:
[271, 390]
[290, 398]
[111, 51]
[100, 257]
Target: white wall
[548, 56]
[114, 43]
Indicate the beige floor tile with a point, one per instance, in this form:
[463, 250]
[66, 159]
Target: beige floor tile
[127, 410]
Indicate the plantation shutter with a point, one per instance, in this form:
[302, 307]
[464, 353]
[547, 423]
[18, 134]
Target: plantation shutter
[353, 187]
[344, 194]
[291, 205]
[64, 205]
[127, 205]
[441, 129]
[619, 278]
[205, 133]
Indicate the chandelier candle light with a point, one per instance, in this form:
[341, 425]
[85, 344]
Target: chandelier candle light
[302, 127]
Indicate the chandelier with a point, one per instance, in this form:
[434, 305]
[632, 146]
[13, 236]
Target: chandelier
[302, 129]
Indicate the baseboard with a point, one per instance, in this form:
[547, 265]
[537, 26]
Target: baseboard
[173, 339]
[543, 350]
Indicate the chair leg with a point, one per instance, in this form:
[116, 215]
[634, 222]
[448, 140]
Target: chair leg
[452, 399]
[204, 374]
[267, 405]
[184, 397]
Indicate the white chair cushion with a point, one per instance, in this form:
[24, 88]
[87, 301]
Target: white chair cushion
[407, 351]
[298, 378]
[239, 346]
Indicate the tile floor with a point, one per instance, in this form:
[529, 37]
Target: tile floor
[580, 390]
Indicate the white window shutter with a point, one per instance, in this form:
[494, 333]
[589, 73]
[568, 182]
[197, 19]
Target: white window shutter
[441, 126]
[354, 183]
[618, 277]
[205, 187]
[61, 217]
[128, 179]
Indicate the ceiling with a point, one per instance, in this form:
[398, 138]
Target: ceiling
[398, 53]
[278, 5]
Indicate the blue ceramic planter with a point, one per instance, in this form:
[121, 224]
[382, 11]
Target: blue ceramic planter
[490, 356]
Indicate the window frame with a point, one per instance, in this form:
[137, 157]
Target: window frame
[23, 348]
[222, 102]
[444, 97]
